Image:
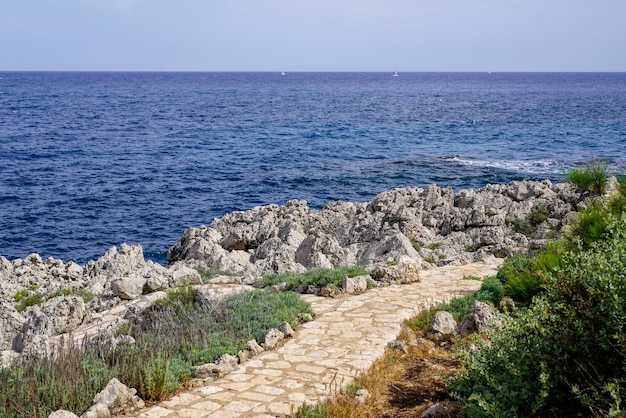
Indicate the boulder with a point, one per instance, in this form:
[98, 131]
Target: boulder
[62, 414]
[11, 322]
[118, 398]
[354, 285]
[443, 323]
[128, 287]
[273, 339]
[485, 316]
[405, 271]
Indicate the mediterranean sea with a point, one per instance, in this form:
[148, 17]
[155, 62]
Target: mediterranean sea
[92, 160]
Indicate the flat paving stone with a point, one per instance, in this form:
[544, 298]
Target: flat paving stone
[348, 334]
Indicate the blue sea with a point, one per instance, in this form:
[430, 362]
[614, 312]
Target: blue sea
[91, 160]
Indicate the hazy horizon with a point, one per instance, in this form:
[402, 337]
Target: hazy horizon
[313, 36]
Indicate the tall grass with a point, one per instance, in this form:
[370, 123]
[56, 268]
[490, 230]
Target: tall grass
[173, 336]
[591, 177]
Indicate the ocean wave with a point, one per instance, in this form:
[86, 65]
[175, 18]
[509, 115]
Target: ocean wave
[531, 167]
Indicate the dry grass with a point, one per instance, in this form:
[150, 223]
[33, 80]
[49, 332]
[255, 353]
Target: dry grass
[401, 384]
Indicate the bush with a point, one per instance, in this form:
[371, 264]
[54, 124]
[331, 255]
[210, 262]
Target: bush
[316, 277]
[566, 354]
[520, 279]
[174, 335]
[590, 178]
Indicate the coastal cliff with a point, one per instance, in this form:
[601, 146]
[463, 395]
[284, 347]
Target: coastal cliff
[429, 226]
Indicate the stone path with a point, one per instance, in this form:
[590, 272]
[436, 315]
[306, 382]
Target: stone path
[347, 335]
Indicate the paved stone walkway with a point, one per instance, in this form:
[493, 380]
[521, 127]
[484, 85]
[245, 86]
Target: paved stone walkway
[347, 335]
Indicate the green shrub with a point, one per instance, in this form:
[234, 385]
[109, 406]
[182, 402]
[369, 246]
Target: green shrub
[310, 411]
[316, 277]
[174, 335]
[538, 214]
[519, 277]
[416, 245]
[565, 355]
[492, 290]
[590, 178]
[25, 300]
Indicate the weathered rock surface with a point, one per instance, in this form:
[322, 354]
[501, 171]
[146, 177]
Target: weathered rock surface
[429, 226]
[396, 233]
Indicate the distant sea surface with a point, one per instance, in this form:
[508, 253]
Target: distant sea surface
[92, 160]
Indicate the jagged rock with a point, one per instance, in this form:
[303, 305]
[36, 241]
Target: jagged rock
[220, 368]
[443, 323]
[182, 275]
[286, 329]
[485, 317]
[62, 414]
[8, 357]
[362, 395]
[354, 285]
[405, 271]
[119, 398]
[468, 225]
[66, 313]
[11, 322]
[98, 410]
[467, 326]
[254, 347]
[436, 411]
[273, 338]
[37, 323]
[128, 287]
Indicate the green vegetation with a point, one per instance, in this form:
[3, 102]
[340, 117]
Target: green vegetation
[208, 274]
[26, 298]
[416, 245]
[176, 334]
[538, 214]
[317, 277]
[310, 411]
[31, 297]
[434, 245]
[591, 178]
[564, 354]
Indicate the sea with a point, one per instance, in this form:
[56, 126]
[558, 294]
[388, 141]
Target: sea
[90, 160]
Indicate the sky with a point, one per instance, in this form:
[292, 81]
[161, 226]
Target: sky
[313, 35]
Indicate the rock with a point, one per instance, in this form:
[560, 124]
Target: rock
[128, 287]
[11, 322]
[66, 313]
[328, 292]
[354, 285]
[467, 326]
[118, 398]
[485, 317]
[254, 347]
[405, 271]
[275, 239]
[436, 411]
[286, 329]
[273, 338]
[98, 410]
[37, 323]
[182, 275]
[443, 323]
[62, 414]
[362, 395]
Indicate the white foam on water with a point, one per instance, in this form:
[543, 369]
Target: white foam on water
[541, 166]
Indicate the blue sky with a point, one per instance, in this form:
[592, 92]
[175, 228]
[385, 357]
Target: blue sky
[313, 35]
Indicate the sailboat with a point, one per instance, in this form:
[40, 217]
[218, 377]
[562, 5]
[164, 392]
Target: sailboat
[395, 74]
[282, 73]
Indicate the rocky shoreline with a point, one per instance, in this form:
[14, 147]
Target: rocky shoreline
[426, 227]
